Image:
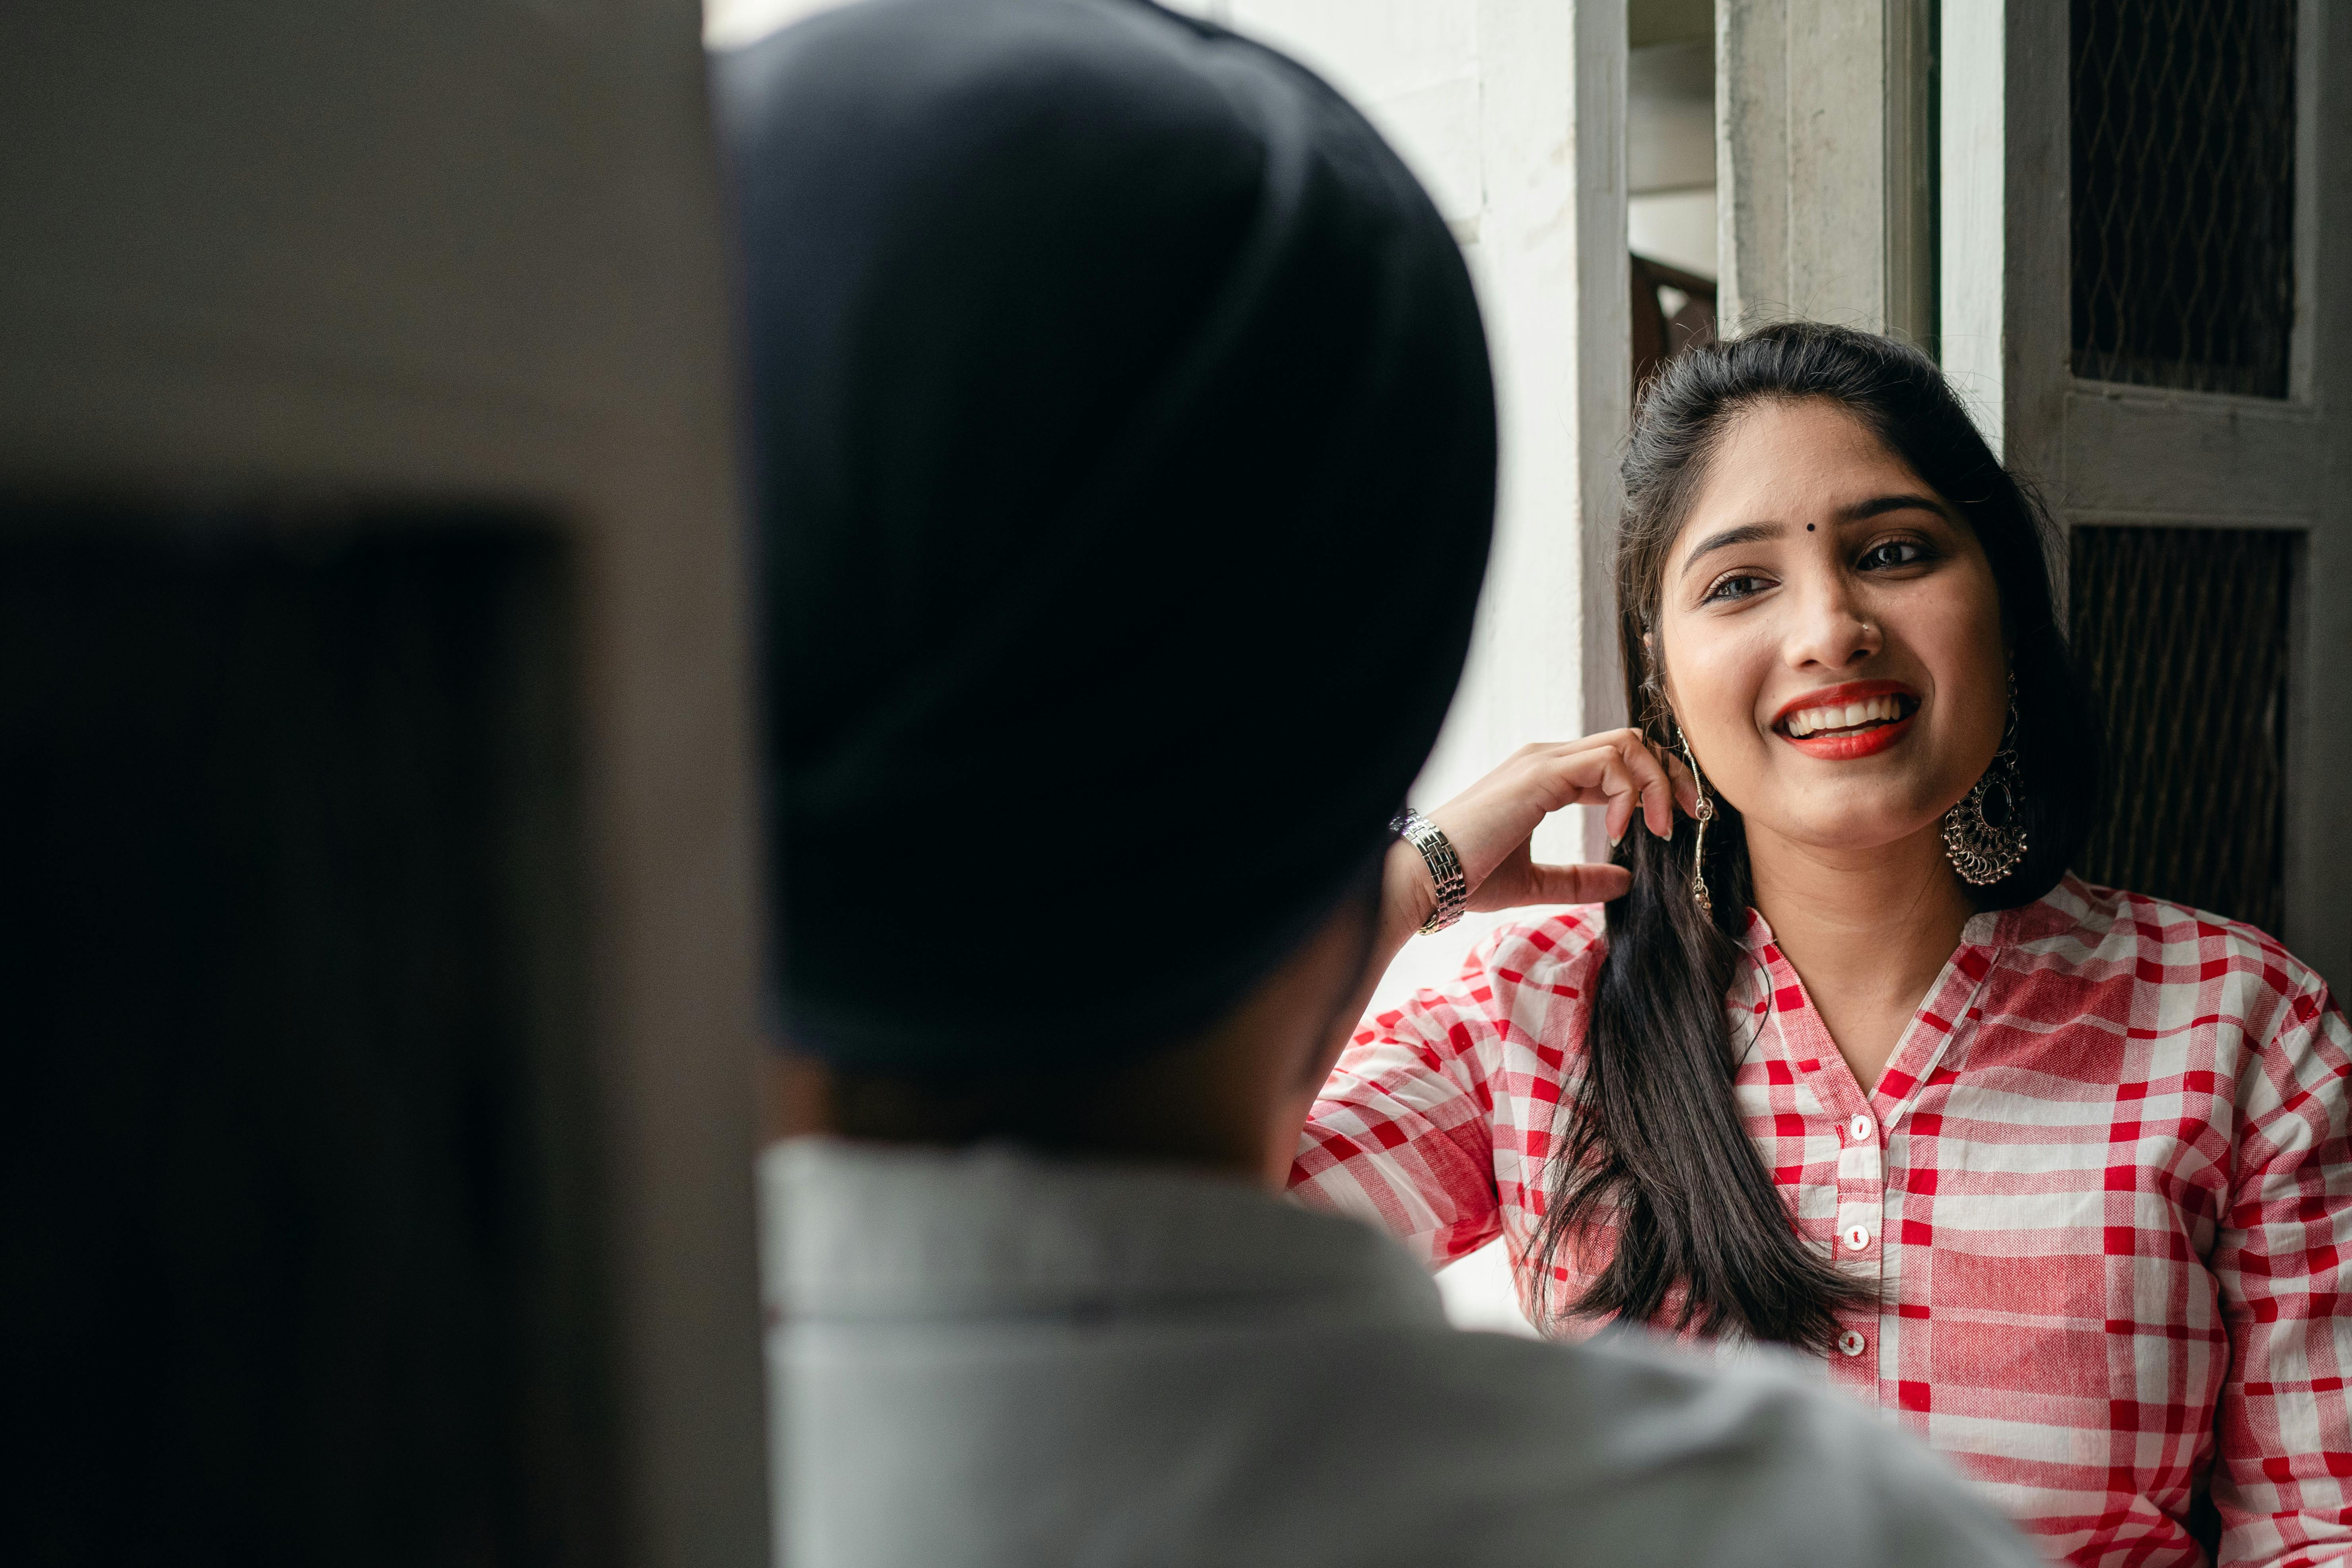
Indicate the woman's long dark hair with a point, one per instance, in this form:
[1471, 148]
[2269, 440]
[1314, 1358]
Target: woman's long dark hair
[1656, 1147]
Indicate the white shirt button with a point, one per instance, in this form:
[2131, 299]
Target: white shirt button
[1857, 1238]
[1851, 1343]
[1861, 1127]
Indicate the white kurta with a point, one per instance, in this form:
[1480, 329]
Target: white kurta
[991, 1360]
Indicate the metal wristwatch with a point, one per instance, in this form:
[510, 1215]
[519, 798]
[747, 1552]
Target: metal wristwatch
[1445, 867]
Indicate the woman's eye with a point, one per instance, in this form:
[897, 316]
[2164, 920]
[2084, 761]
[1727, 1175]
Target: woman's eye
[1738, 585]
[1893, 552]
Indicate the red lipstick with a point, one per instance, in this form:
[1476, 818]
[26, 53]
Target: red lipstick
[1841, 744]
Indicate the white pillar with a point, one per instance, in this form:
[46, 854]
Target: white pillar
[1974, 209]
[1821, 139]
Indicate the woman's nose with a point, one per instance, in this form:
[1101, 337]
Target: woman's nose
[1832, 631]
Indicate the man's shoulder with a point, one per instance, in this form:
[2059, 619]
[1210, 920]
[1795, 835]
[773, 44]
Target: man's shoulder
[1652, 1455]
[1333, 1436]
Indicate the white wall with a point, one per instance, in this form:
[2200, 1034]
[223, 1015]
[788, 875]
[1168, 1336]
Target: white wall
[1677, 227]
[728, 23]
[1669, 153]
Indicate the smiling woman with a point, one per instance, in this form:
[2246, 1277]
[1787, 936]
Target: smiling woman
[1826, 644]
[2056, 1172]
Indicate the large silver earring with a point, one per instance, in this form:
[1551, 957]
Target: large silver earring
[1703, 815]
[1984, 851]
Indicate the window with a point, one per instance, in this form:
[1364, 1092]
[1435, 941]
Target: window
[2184, 147]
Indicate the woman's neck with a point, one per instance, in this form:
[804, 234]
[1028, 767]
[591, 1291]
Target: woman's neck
[1867, 932]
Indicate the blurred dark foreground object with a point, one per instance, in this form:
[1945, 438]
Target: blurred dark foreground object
[377, 981]
[1103, 365]
[285, 1153]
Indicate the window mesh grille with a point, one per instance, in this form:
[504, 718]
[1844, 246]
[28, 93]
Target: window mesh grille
[2184, 126]
[2182, 633]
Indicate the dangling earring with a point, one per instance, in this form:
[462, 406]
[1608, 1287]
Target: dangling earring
[1703, 815]
[1981, 851]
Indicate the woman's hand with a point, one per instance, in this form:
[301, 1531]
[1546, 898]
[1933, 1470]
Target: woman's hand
[1491, 822]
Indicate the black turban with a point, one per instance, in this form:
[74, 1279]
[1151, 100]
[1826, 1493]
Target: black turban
[1125, 471]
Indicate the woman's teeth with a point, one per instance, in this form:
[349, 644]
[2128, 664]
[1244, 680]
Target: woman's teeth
[1851, 715]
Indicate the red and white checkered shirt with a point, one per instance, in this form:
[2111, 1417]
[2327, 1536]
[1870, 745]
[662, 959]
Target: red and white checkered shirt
[2103, 1191]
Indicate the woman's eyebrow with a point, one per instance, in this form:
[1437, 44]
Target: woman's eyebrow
[1879, 504]
[1746, 533]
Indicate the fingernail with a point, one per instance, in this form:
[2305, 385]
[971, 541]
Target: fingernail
[1618, 838]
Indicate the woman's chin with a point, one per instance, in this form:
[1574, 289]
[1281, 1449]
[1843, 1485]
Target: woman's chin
[1847, 833]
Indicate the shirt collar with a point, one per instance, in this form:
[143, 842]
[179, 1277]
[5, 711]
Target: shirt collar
[868, 1232]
